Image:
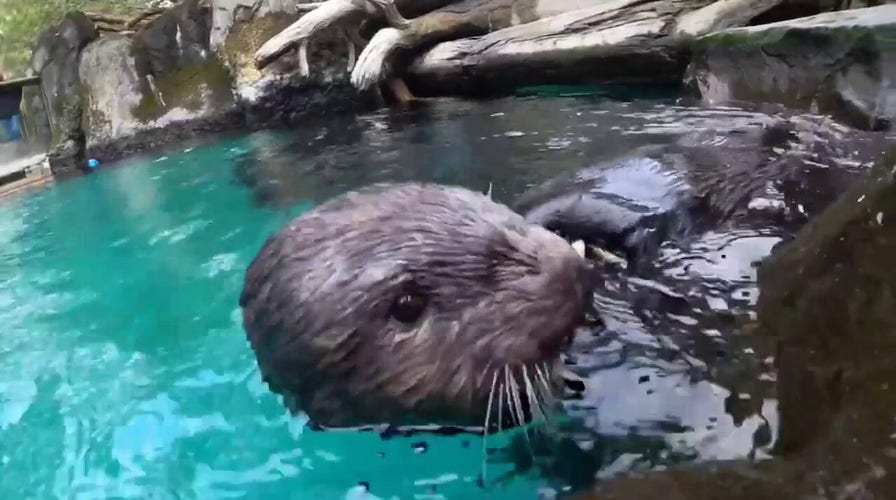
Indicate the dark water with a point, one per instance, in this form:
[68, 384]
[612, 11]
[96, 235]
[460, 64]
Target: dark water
[124, 372]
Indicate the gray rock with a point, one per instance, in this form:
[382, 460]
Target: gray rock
[55, 60]
[166, 74]
[227, 13]
[279, 94]
[838, 63]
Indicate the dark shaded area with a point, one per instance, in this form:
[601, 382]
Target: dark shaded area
[652, 68]
[182, 32]
[10, 97]
[12, 177]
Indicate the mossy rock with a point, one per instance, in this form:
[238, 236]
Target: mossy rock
[835, 63]
[327, 54]
[196, 88]
[246, 37]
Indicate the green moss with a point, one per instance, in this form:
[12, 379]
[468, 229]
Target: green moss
[782, 36]
[189, 88]
[247, 37]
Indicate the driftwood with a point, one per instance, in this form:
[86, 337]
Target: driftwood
[627, 41]
[467, 43]
[464, 19]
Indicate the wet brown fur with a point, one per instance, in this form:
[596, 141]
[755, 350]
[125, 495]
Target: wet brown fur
[316, 303]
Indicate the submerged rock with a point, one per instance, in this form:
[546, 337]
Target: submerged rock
[838, 63]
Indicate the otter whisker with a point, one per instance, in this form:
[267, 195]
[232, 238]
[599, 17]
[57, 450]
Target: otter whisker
[538, 399]
[488, 408]
[500, 406]
[534, 404]
[547, 392]
[545, 399]
[508, 386]
[516, 399]
[519, 406]
[488, 413]
[541, 372]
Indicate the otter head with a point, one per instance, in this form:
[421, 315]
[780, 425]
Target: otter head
[412, 304]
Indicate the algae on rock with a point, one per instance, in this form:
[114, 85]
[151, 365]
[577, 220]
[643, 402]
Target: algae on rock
[837, 63]
[165, 74]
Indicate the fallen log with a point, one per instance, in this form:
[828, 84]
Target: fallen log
[459, 20]
[620, 41]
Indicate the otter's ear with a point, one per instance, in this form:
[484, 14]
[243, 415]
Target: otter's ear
[509, 256]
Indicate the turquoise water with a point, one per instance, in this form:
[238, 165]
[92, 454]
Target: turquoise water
[124, 372]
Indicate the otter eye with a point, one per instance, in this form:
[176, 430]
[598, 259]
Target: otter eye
[408, 307]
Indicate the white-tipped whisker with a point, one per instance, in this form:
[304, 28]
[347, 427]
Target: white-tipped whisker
[531, 395]
[510, 406]
[519, 409]
[541, 371]
[500, 407]
[488, 413]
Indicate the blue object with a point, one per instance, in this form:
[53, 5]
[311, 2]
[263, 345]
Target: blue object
[12, 128]
[93, 163]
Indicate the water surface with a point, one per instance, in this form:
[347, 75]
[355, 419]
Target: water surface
[124, 372]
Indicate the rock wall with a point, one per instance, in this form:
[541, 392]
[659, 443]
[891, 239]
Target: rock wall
[55, 59]
[837, 63]
[190, 67]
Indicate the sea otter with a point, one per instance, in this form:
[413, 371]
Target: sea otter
[414, 304]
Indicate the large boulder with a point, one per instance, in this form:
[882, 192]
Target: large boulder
[279, 94]
[55, 60]
[837, 63]
[165, 74]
